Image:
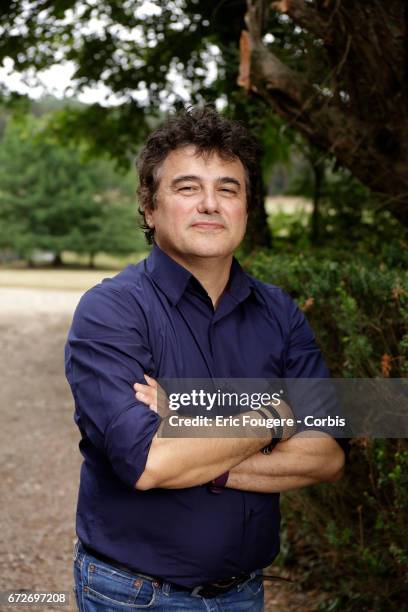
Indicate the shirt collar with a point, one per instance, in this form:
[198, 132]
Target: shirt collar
[172, 278]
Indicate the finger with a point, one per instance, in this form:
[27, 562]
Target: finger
[150, 381]
[147, 392]
[154, 385]
[141, 396]
[140, 387]
[144, 398]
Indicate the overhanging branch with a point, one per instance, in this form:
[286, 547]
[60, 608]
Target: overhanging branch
[304, 15]
[328, 123]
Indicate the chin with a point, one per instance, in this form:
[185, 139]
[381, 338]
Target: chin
[210, 250]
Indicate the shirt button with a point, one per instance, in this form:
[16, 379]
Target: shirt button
[156, 584]
[91, 567]
[138, 583]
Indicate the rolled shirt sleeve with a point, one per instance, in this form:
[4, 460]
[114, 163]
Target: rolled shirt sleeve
[106, 353]
[303, 357]
[303, 362]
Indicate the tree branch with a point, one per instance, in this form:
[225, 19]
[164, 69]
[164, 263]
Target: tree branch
[262, 69]
[264, 73]
[374, 150]
[304, 15]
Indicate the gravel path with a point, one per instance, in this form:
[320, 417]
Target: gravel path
[38, 446]
[16, 301]
[39, 455]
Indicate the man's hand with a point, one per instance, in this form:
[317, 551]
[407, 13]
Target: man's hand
[153, 395]
[179, 462]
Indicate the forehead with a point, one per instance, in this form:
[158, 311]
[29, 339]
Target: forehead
[187, 160]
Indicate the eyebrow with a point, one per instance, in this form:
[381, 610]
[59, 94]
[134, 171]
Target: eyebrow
[194, 177]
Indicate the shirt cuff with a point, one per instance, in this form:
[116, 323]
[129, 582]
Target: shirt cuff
[128, 439]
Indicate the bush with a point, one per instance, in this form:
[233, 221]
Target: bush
[357, 306]
[346, 539]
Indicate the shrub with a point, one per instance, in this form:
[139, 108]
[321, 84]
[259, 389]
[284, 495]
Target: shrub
[347, 539]
[357, 306]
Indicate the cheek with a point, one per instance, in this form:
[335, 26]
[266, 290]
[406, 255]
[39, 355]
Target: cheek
[239, 216]
[169, 217]
[181, 214]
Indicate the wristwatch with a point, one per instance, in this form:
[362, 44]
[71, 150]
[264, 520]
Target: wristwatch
[270, 412]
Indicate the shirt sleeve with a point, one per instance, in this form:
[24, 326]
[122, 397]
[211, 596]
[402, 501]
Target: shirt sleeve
[107, 351]
[311, 392]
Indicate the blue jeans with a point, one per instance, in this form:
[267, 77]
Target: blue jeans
[103, 587]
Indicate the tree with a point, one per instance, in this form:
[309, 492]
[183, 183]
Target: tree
[50, 199]
[343, 86]
[334, 70]
[137, 56]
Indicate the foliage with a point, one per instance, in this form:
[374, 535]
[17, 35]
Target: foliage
[346, 538]
[159, 55]
[335, 87]
[357, 305]
[347, 212]
[50, 199]
[132, 52]
[152, 57]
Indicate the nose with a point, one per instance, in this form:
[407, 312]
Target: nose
[208, 202]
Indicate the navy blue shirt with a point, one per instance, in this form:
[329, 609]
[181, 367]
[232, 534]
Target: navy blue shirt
[156, 318]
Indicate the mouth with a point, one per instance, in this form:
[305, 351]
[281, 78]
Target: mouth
[205, 225]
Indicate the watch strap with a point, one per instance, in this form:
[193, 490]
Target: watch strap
[270, 413]
[218, 484]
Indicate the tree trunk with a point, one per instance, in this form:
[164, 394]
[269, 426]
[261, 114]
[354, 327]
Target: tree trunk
[360, 115]
[258, 233]
[57, 260]
[318, 173]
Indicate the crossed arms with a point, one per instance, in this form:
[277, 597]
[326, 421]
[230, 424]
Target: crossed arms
[174, 463]
[106, 351]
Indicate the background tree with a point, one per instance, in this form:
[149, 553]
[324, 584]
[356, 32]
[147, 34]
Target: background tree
[50, 199]
[343, 86]
[141, 57]
[333, 70]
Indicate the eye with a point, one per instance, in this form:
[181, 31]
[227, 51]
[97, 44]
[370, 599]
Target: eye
[229, 191]
[188, 188]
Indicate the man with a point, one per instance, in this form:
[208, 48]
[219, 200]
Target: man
[152, 532]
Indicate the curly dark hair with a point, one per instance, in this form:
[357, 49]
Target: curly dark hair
[204, 128]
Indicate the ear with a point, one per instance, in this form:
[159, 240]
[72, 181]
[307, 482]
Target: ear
[149, 217]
